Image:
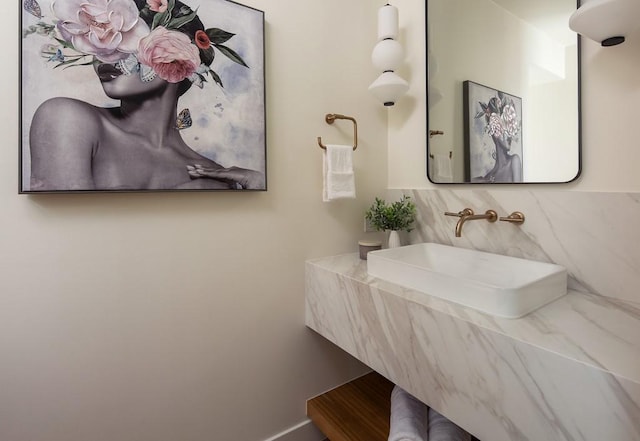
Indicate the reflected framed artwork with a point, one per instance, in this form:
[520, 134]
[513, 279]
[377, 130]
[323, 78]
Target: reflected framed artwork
[141, 95]
[492, 134]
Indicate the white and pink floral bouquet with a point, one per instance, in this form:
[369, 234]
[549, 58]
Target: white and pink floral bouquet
[501, 117]
[163, 38]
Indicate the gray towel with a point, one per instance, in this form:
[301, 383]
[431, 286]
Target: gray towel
[441, 429]
[408, 420]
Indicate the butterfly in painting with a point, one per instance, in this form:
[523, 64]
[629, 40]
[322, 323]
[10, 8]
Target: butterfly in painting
[58, 56]
[184, 119]
[147, 73]
[131, 65]
[33, 8]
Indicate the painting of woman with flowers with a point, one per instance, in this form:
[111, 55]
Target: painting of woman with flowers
[493, 135]
[137, 95]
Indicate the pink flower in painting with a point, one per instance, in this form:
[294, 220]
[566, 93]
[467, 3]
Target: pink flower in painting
[157, 5]
[170, 54]
[108, 29]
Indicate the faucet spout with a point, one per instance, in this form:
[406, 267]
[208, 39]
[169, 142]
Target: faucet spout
[468, 214]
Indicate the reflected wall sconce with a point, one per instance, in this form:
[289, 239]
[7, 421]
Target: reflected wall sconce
[607, 22]
[387, 56]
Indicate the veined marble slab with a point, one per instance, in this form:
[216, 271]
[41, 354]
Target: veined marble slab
[568, 371]
[594, 235]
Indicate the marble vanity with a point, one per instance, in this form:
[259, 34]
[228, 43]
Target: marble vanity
[567, 371]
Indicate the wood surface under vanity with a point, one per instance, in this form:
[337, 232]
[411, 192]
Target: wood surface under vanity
[355, 411]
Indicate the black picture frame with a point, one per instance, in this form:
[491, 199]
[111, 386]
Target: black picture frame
[492, 135]
[218, 142]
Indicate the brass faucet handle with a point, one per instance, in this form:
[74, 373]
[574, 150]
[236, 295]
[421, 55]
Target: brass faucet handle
[465, 212]
[516, 217]
[491, 215]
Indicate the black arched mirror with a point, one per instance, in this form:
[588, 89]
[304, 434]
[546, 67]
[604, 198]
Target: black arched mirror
[503, 91]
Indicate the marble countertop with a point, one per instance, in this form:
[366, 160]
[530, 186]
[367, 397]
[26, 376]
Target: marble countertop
[577, 348]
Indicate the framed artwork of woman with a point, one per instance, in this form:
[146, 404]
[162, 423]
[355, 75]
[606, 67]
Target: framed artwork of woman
[142, 95]
[492, 135]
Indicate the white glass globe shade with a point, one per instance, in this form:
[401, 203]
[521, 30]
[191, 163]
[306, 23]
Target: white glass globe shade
[607, 22]
[387, 22]
[388, 87]
[387, 55]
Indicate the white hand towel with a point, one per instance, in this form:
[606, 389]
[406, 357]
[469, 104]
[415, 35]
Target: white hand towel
[408, 420]
[339, 179]
[441, 429]
[441, 169]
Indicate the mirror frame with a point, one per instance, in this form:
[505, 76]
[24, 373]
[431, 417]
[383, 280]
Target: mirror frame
[578, 103]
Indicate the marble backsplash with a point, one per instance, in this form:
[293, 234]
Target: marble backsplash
[595, 235]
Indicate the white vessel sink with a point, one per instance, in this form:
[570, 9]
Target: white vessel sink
[498, 285]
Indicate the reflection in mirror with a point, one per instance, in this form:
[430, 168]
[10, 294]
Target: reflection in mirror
[503, 91]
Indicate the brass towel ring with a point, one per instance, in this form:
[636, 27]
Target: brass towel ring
[330, 119]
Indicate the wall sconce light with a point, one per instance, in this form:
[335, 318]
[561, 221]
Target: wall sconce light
[387, 56]
[607, 22]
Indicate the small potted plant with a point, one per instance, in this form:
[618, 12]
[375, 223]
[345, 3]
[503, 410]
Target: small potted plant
[397, 216]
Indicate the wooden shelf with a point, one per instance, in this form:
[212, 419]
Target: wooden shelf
[356, 411]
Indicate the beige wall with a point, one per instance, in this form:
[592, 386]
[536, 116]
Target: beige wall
[180, 316]
[154, 317]
[610, 94]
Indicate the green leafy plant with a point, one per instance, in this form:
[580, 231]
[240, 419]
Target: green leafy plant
[397, 216]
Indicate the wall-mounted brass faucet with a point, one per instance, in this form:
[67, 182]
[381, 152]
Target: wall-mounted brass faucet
[467, 214]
